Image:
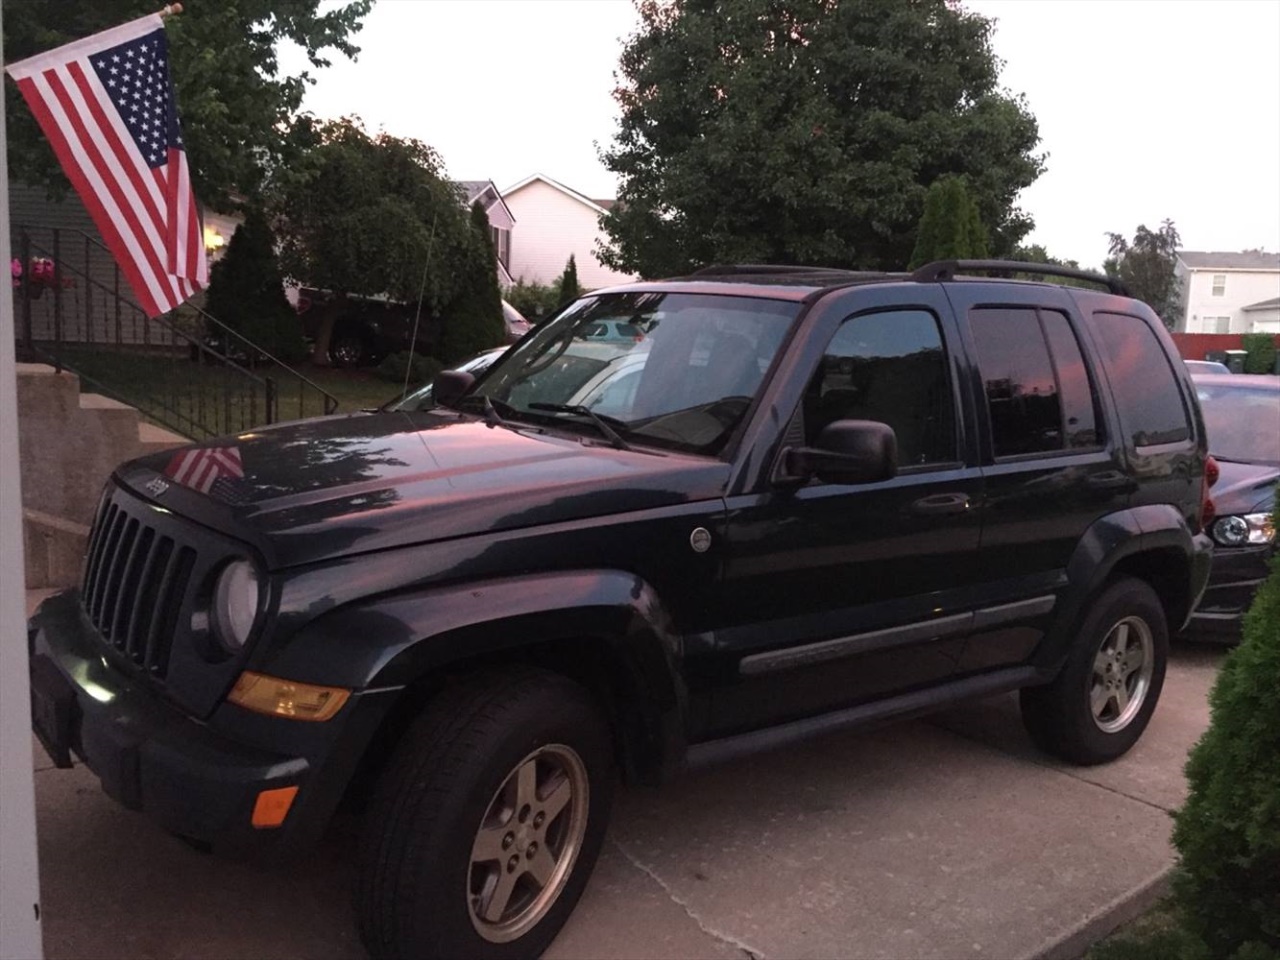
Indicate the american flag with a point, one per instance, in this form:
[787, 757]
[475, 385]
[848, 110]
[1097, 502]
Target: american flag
[106, 105]
[201, 467]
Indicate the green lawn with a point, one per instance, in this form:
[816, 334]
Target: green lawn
[200, 399]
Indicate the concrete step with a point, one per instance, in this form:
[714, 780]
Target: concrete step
[54, 549]
[153, 439]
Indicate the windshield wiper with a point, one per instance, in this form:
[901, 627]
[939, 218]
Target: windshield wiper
[605, 424]
[491, 415]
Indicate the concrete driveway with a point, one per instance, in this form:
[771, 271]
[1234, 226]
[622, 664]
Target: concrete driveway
[946, 838]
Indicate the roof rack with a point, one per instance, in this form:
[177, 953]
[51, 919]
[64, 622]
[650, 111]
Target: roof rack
[775, 269]
[948, 269]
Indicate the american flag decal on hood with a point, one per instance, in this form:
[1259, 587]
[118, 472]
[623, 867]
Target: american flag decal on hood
[202, 467]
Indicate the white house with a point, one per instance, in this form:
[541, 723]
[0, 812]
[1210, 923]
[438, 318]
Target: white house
[501, 222]
[552, 222]
[1229, 292]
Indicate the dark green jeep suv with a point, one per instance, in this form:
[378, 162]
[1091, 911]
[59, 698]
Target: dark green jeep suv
[796, 500]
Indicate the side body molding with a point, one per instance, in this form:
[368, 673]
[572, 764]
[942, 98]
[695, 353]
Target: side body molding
[395, 640]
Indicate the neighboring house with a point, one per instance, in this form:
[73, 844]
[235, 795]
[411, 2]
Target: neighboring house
[90, 280]
[1229, 292]
[501, 222]
[555, 221]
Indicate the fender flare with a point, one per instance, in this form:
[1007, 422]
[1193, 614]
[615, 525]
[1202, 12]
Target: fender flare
[1109, 542]
[396, 640]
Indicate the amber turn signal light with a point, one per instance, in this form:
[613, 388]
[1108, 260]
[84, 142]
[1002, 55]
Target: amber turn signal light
[272, 806]
[286, 698]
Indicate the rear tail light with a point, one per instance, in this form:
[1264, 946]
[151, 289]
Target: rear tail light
[1207, 510]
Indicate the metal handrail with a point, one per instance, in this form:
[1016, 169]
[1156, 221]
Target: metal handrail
[197, 407]
[330, 402]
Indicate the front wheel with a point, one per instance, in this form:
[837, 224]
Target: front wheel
[487, 821]
[1101, 702]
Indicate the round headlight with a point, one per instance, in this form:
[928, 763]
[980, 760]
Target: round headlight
[1231, 531]
[235, 603]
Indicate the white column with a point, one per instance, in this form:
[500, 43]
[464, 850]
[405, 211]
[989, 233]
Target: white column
[19, 870]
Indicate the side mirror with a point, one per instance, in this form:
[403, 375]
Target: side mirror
[449, 385]
[847, 451]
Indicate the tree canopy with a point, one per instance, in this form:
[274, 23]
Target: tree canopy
[950, 227]
[754, 130]
[1146, 265]
[236, 104]
[371, 215]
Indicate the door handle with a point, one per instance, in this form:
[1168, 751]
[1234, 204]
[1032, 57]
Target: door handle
[941, 503]
[1109, 481]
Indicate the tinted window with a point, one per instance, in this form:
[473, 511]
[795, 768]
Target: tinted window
[1079, 403]
[891, 368]
[1022, 392]
[1151, 409]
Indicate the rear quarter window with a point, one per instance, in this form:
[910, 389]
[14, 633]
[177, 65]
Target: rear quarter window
[1151, 407]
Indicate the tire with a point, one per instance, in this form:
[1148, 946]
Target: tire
[347, 350]
[1103, 698]
[458, 788]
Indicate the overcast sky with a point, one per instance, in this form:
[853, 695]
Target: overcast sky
[1147, 108]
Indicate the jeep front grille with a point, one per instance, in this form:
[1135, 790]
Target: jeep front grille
[135, 581]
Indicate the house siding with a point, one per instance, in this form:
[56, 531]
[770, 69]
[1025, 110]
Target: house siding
[551, 225]
[1243, 287]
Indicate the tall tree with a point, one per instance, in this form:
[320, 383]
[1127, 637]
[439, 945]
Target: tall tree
[1147, 266]
[755, 130]
[371, 216]
[569, 288]
[235, 101]
[950, 227]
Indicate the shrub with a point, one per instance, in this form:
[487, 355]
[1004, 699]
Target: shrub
[1228, 833]
[473, 318]
[246, 292]
[420, 368]
[950, 227]
[569, 289]
[1260, 352]
[533, 300]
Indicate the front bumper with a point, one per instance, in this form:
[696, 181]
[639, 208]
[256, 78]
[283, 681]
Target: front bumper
[1234, 578]
[196, 778]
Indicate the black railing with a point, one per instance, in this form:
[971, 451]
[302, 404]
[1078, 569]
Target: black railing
[186, 370]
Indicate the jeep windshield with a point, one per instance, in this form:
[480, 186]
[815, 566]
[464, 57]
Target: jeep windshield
[676, 370]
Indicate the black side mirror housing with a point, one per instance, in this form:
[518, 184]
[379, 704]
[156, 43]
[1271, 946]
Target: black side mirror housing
[449, 386]
[847, 451]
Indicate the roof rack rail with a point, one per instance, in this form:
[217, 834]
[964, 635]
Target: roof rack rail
[780, 269]
[947, 270]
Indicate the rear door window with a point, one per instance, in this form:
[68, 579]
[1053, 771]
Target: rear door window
[1152, 410]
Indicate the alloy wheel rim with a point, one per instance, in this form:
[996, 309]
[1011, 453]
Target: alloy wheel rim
[1122, 671]
[527, 843]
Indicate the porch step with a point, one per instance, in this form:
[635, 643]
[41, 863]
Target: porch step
[53, 548]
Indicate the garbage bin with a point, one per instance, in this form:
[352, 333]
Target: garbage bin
[1234, 359]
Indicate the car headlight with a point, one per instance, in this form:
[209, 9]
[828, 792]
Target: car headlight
[1237, 531]
[236, 597]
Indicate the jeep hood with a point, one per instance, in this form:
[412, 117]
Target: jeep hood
[318, 489]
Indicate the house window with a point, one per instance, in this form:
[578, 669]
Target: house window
[1221, 324]
[1219, 284]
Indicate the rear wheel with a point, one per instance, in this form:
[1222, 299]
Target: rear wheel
[1101, 702]
[346, 350]
[487, 821]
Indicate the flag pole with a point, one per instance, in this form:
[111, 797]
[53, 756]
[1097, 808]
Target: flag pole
[171, 10]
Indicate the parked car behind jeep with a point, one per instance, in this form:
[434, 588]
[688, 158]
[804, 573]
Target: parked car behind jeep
[814, 499]
[1242, 418]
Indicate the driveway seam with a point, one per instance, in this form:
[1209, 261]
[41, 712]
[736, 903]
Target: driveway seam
[1044, 765]
[751, 952]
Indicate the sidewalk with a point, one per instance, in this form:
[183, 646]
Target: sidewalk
[947, 838]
